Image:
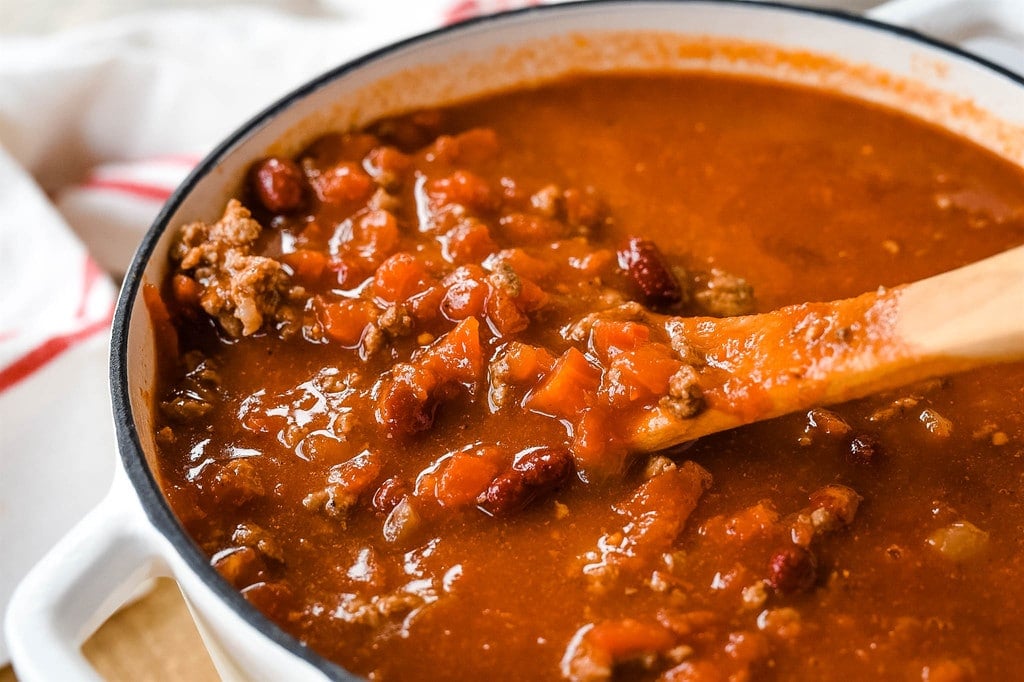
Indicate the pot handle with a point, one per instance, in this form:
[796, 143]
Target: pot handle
[87, 576]
[993, 29]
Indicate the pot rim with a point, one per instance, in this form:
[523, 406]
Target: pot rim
[133, 459]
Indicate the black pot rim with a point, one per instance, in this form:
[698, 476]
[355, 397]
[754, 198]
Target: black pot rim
[132, 457]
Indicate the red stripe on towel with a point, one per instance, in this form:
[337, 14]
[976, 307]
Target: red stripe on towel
[138, 189]
[49, 350]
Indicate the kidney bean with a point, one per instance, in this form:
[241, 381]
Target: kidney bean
[792, 569]
[278, 183]
[533, 472]
[647, 268]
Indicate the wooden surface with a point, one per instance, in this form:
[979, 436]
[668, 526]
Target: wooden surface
[152, 640]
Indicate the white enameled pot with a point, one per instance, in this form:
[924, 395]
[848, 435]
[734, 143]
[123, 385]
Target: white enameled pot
[133, 536]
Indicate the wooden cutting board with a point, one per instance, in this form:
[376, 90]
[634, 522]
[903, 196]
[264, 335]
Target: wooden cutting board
[153, 640]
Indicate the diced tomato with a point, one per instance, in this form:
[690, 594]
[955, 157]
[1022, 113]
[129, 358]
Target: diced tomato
[464, 297]
[751, 522]
[639, 374]
[628, 638]
[527, 363]
[386, 162]
[307, 266]
[400, 277]
[463, 188]
[375, 235]
[523, 263]
[463, 273]
[472, 147]
[345, 182]
[654, 364]
[594, 264]
[659, 508]
[531, 297]
[526, 228]
[426, 305]
[590, 446]
[503, 313]
[609, 338]
[567, 388]
[465, 474]
[348, 273]
[468, 242]
[357, 475]
[458, 356]
[345, 321]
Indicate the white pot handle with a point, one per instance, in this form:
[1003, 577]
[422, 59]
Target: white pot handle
[991, 28]
[79, 584]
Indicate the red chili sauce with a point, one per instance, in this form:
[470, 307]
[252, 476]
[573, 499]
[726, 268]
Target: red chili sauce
[400, 368]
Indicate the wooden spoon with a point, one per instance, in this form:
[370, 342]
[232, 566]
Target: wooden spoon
[801, 356]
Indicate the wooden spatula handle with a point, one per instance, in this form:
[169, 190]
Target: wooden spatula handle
[976, 312]
[801, 356]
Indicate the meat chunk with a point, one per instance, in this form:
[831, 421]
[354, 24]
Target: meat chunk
[831, 508]
[251, 535]
[724, 295]
[685, 398]
[240, 290]
[197, 393]
[346, 482]
[864, 449]
[826, 422]
[236, 482]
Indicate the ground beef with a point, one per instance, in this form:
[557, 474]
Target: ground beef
[240, 290]
[395, 321]
[721, 294]
[685, 398]
[251, 535]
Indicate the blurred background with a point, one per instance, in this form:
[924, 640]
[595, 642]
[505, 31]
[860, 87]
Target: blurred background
[42, 16]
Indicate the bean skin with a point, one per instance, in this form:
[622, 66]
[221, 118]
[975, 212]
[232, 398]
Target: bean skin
[644, 263]
[534, 471]
[792, 570]
[279, 184]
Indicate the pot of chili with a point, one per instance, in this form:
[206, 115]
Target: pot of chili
[368, 363]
